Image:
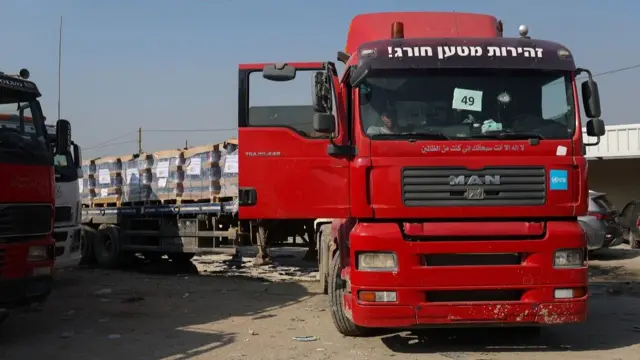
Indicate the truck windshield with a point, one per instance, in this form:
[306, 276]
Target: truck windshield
[22, 136]
[465, 104]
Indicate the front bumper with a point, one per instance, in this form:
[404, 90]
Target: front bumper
[68, 243]
[468, 314]
[22, 292]
[533, 281]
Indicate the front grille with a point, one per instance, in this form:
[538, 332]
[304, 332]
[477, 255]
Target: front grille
[63, 213]
[458, 186]
[25, 219]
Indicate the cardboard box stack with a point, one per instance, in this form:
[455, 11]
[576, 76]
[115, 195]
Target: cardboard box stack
[204, 173]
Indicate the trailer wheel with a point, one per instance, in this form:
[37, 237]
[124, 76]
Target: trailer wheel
[181, 258]
[87, 244]
[324, 263]
[107, 247]
[337, 289]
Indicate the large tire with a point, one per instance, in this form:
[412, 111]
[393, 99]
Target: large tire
[87, 244]
[337, 289]
[181, 258]
[108, 247]
[324, 256]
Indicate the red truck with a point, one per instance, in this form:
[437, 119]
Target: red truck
[448, 164]
[27, 196]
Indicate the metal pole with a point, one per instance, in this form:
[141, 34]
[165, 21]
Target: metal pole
[59, 65]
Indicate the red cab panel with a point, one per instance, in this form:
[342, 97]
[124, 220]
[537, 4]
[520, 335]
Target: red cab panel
[285, 171]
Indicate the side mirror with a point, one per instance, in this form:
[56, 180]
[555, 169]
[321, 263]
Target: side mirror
[591, 99]
[322, 101]
[77, 155]
[63, 136]
[596, 127]
[279, 72]
[359, 74]
[324, 123]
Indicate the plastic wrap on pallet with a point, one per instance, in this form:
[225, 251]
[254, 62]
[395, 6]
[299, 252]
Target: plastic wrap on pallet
[83, 184]
[202, 172]
[131, 190]
[199, 173]
[107, 179]
[140, 174]
[229, 165]
[167, 179]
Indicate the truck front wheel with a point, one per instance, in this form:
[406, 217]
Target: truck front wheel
[337, 288]
[89, 237]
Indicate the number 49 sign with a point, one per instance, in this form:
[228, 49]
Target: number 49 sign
[464, 99]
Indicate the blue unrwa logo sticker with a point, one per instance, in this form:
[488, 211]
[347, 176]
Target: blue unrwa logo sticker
[558, 180]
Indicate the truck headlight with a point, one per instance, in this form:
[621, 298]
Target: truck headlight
[377, 261]
[37, 253]
[568, 258]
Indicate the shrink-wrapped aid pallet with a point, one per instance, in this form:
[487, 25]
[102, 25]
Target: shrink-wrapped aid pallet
[202, 173]
[167, 175]
[146, 165]
[108, 175]
[84, 184]
[229, 165]
[132, 189]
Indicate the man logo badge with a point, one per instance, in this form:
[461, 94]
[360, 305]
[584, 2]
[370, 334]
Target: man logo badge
[474, 194]
[474, 180]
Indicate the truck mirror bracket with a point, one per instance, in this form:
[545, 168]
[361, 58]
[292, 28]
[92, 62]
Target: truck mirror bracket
[341, 150]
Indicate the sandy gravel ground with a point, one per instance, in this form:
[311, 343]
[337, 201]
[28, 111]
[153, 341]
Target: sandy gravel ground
[209, 311]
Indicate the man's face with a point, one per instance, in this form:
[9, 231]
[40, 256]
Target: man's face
[388, 120]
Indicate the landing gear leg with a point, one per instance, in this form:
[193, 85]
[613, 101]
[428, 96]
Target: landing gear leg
[263, 257]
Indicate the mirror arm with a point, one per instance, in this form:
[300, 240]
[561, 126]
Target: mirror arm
[579, 71]
[335, 149]
[593, 143]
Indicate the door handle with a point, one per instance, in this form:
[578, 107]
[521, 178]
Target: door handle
[247, 196]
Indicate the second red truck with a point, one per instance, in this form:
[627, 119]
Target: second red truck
[449, 162]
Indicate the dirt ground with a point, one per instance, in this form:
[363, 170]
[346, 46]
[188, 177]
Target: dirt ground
[208, 311]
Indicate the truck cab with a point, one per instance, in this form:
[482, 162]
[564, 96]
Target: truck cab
[27, 196]
[67, 230]
[450, 162]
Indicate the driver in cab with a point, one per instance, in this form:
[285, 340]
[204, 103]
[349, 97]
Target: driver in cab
[389, 123]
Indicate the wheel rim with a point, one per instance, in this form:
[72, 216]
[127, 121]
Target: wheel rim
[107, 244]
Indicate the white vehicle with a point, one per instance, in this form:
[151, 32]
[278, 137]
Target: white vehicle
[68, 215]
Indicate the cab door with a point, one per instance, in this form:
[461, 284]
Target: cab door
[285, 170]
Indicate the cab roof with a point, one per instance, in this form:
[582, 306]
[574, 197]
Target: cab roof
[423, 24]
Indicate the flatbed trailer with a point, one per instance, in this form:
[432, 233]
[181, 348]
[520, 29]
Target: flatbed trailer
[178, 230]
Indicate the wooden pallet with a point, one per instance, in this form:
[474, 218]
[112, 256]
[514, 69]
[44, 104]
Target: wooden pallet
[111, 201]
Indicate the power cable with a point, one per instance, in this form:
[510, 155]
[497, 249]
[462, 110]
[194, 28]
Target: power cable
[106, 142]
[109, 145]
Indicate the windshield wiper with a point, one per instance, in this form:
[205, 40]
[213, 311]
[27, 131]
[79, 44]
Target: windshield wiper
[509, 135]
[413, 135]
